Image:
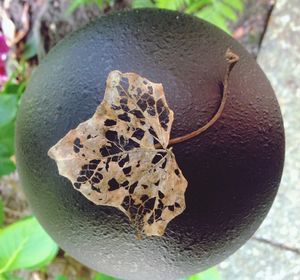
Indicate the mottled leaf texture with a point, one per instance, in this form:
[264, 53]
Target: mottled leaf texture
[119, 157]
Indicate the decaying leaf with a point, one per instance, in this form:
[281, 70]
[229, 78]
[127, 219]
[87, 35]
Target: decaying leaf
[119, 157]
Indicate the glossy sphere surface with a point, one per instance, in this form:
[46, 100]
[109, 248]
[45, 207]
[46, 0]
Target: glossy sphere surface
[233, 169]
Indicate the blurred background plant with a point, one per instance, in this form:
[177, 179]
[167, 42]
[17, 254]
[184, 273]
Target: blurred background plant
[28, 31]
[217, 12]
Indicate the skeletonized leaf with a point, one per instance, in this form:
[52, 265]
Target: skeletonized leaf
[119, 157]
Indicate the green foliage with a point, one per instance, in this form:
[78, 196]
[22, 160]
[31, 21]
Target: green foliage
[8, 107]
[172, 5]
[31, 46]
[1, 212]
[10, 276]
[7, 134]
[7, 139]
[136, 4]
[218, 12]
[7, 148]
[6, 166]
[210, 274]
[9, 100]
[25, 244]
[101, 276]
[236, 4]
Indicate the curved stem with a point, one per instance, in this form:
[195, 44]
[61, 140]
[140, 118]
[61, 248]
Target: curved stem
[231, 59]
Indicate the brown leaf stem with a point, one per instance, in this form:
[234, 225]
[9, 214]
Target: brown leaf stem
[231, 59]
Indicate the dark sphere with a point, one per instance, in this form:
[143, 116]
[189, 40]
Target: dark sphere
[233, 169]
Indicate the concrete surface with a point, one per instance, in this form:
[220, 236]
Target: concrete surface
[274, 253]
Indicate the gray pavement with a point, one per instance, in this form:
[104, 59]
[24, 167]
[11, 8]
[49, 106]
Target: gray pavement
[279, 57]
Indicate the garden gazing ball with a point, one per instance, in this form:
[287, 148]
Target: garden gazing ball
[150, 145]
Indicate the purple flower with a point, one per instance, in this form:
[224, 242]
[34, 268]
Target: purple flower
[3, 56]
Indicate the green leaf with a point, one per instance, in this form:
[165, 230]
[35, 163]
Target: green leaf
[235, 4]
[225, 10]
[209, 14]
[171, 4]
[100, 4]
[14, 85]
[210, 274]
[142, 4]
[31, 47]
[10, 88]
[101, 276]
[6, 166]
[13, 89]
[1, 212]
[25, 244]
[197, 5]
[8, 107]
[74, 5]
[7, 134]
[21, 89]
[10, 276]
[61, 277]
